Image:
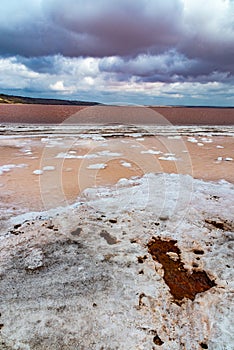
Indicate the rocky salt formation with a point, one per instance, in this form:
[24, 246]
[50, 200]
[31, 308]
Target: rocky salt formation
[145, 264]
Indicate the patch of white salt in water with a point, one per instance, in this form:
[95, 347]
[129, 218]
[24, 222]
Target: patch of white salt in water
[48, 168]
[126, 164]
[170, 158]
[97, 166]
[106, 153]
[206, 140]
[8, 167]
[38, 172]
[151, 151]
[192, 140]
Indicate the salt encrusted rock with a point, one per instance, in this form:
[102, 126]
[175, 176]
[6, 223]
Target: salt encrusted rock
[34, 259]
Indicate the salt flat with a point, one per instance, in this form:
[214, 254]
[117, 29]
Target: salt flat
[78, 269]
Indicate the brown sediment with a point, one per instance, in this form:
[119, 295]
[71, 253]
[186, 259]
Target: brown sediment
[181, 282]
[141, 259]
[220, 224]
[109, 239]
[157, 340]
[76, 232]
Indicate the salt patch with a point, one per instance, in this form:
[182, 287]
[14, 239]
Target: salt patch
[174, 137]
[94, 137]
[109, 154]
[48, 168]
[228, 159]
[206, 140]
[98, 138]
[171, 158]
[135, 146]
[88, 155]
[68, 169]
[64, 155]
[38, 172]
[136, 135]
[21, 165]
[97, 166]
[151, 151]
[126, 164]
[219, 146]
[192, 139]
[123, 182]
[6, 168]
[200, 144]
[140, 139]
[124, 141]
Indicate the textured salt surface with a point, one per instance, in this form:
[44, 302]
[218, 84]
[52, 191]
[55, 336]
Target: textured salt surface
[82, 277]
[97, 132]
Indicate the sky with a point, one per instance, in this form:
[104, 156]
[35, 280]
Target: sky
[140, 52]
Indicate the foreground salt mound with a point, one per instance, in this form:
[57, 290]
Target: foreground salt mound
[84, 277]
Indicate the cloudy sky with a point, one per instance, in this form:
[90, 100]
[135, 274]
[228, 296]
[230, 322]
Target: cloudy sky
[119, 51]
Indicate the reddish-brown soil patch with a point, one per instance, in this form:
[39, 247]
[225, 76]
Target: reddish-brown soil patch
[182, 284]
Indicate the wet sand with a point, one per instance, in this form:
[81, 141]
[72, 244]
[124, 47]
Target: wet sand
[70, 164]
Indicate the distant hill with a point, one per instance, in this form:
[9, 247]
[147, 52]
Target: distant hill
[9, 99]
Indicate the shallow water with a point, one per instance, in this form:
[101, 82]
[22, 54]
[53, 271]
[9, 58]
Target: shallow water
[44, 171]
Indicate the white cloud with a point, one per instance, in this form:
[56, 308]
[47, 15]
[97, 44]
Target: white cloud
[86, 79]
[58, 86]
[15, 75]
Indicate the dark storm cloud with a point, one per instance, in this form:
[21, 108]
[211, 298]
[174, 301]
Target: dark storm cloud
[93, 28]
[49, 42]
[168, 67]
[123, 27]
[197, 30]
[45, 64]
[118, 27]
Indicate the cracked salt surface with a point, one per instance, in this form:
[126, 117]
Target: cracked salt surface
[104, 280]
